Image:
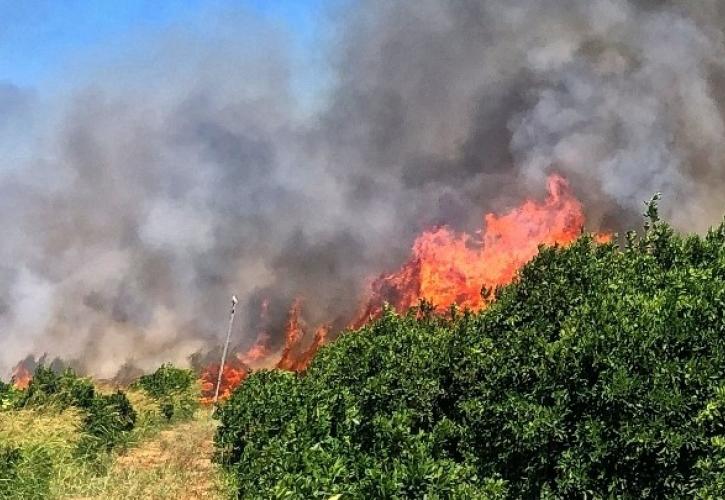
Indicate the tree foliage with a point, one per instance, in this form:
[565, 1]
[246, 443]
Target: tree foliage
[60, 390]
[600, 372]
[9, 396]
[175, 390]
[107, 418]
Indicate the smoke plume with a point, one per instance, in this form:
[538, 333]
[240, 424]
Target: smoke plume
[162, 179]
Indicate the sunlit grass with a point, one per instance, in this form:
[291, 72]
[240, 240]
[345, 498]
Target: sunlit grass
[157, 459]
[173, 464]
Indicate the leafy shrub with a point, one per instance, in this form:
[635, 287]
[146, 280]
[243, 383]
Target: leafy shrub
[24, 473]
[108, 419]
[9, 460]
[597, 373]
[64, 390]
[175, 390]
[9, 396]
[166, 380]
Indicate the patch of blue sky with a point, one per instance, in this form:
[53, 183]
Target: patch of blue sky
[41, 41]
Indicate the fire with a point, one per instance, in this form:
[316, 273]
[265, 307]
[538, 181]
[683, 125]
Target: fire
[237, 368]
[21, 376]
[23, 372]
[295, 357]
[293, 336]
[234, 373]
[258, 351]
[446, 268]
[452, 268]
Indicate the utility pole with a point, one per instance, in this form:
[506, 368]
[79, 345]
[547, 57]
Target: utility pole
[224, 351]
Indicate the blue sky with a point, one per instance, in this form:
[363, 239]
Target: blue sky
[38, 38]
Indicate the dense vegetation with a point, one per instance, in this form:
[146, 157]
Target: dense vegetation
[56, 436]
[107, 417]
[176, 390]
[599, 373]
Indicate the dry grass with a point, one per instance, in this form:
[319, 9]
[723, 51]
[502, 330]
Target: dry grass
[176, 463]
[52, 433]
[42, 427]
[158, 461]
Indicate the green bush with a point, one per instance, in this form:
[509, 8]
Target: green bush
[175, 390]
[62, 391]
[166, 380]
[9, 460]
[9, 396]
[24, 473]
[598, 373]
[108, 420]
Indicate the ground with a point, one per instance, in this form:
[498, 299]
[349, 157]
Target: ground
[159, 461]
[175, 463]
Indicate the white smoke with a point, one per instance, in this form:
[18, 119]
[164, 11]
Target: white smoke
[164, 178]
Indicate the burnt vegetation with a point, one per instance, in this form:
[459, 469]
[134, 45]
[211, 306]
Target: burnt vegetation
[600, 372]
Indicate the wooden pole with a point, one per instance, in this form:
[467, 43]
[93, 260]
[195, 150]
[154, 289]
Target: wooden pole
[224, 351]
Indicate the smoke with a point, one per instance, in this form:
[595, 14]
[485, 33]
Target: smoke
[164, 178]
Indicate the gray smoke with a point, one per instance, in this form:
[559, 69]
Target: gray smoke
[134, 203]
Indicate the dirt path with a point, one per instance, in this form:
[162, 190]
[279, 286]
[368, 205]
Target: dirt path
[176, 463]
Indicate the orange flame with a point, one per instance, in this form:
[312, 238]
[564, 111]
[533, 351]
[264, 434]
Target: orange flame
[258, 351]
[21, 376]
[445, 268]
[233, 374]
[294, 333]
[448, 268]
[296, 357]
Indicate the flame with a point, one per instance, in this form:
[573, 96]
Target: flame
[449, 268]
[258, 351]
[234, 373]
[237, 368]
[21, 376]
[445, 268]
[295, 357]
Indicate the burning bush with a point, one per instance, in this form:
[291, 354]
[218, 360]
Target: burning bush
[174, 389]
[234, 373]
[597, 372]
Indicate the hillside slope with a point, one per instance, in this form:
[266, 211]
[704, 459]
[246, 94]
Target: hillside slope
[600, 372]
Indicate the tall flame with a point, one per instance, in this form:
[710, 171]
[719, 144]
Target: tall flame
[452, 268]
[295, 356]
[236, 369]
[446, 267]
[21, 376]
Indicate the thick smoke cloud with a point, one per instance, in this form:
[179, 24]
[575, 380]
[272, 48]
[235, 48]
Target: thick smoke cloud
[135, 203]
